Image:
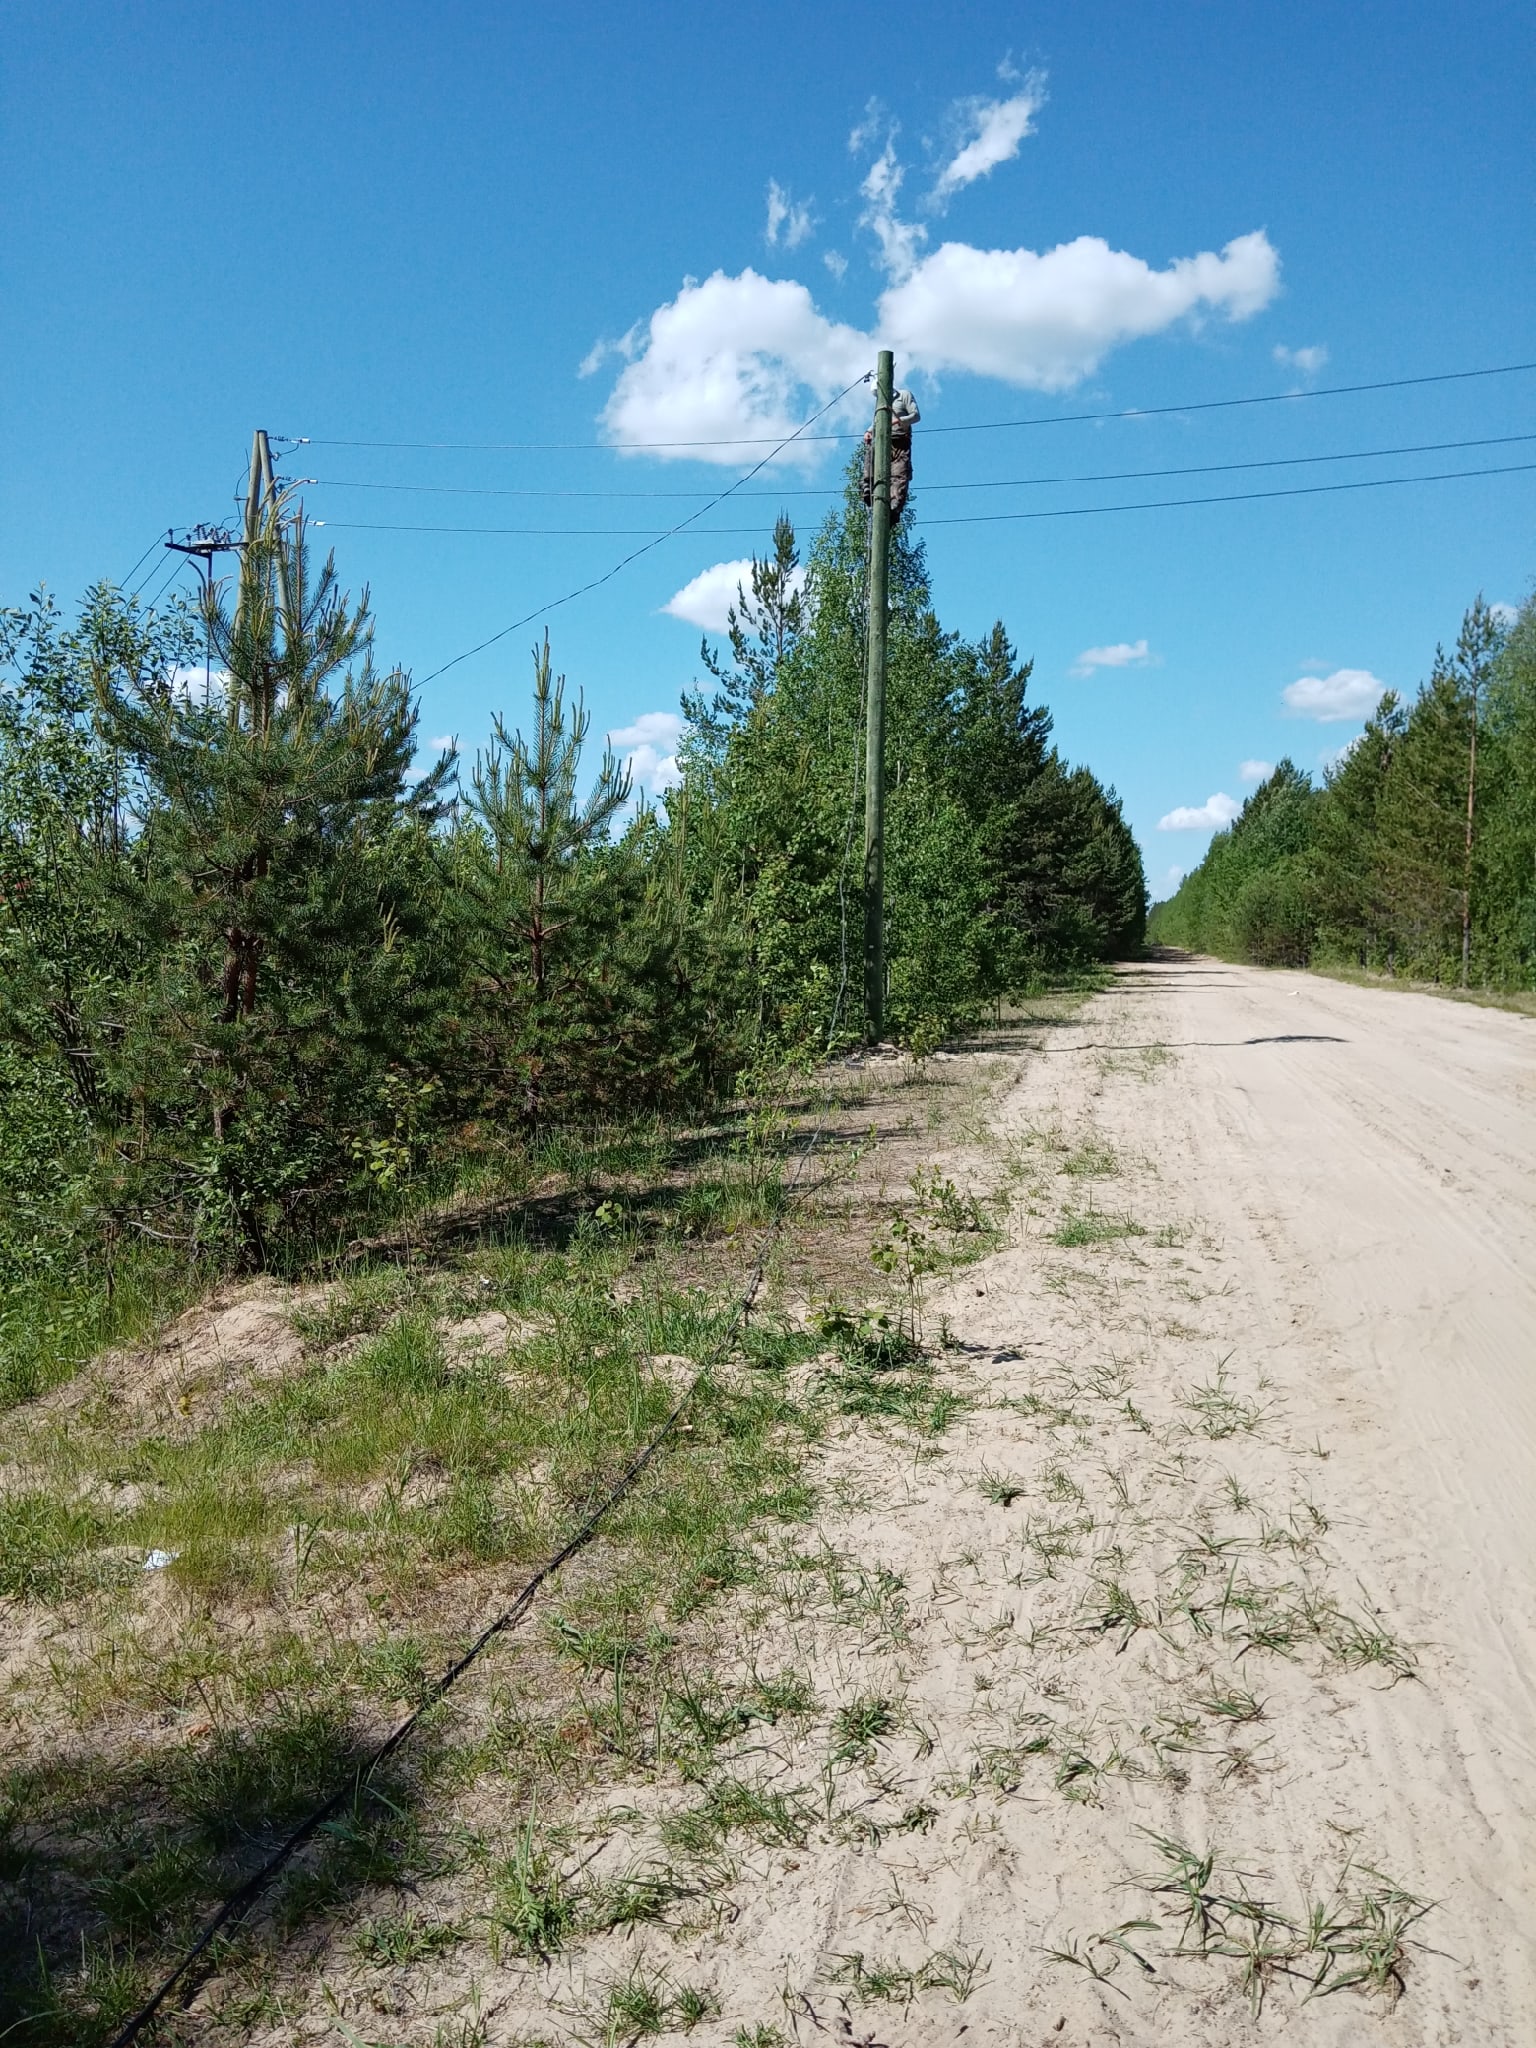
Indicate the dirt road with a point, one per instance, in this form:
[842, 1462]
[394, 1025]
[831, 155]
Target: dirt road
[1230, 1555]
[1368, 1159]
[1169, 1650]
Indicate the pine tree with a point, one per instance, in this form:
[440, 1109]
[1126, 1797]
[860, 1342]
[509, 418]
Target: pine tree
[270, 811]
[1477, 648]
[541, 885]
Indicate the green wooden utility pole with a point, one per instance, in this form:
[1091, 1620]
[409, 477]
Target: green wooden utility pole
[874, 707]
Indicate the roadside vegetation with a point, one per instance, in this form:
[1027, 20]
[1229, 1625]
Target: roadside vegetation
[265, 985]
[233, 1559]
[1417, 856]
[383, 1155]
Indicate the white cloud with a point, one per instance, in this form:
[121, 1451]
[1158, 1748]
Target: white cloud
[1255, 771]
[788, 224]
[1307, 360]
[1123, 654]
[648, 748]
[442, 743]
[1211, 816]
[1047, 320]
[750, 356]
[1347, 693]
[197, 684]
[747, 354]
[865, 131]
[600, 351]
[1504, 615]
[1334, 757]
[706, 600]
[899, 240]
[733, 355]
[994, 129]
[836, 262]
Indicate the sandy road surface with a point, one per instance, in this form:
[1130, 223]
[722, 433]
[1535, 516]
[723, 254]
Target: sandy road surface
[1226, 1545]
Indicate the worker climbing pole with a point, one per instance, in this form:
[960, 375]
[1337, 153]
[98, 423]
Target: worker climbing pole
[887, 479]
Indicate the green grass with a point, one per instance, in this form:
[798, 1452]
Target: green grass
[997, 1488]
[379, 1470]
[1091, 1161]
[647, 2002]
[532, 1905]
[46, 1546]
[1355, 1937]
[1092, 1227]
[729, 1807]
[51, 1325]
[859, 1726]
[398, 1940]
[874, 1979]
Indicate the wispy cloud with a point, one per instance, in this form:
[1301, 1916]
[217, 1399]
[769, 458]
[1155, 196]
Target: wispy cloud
[1211, 816]
[750, 355]
[706, 600]
[1255, 771]
[993, 130]
[1122, 654]
[1347, 693]
[900, 240]
[1307, 361]
[789, 223]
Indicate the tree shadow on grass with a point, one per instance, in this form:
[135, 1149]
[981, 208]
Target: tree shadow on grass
[111, 1865]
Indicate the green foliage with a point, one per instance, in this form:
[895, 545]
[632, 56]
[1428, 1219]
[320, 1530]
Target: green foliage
[1002, 864]
[1418, 854]
[261, 985]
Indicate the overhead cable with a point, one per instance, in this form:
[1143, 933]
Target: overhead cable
[238, 1904]
[138, 565]
[952, 519]
[636, 553]
[1101, 476]
[1133, 412]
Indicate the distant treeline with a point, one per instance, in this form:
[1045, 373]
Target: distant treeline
[1416, 857]
[258, 976]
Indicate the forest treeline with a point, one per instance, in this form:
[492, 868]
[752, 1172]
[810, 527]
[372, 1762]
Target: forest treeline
[1417, 854]
[259, 976]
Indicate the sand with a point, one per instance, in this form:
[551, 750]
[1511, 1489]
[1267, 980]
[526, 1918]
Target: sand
[1277, 1439]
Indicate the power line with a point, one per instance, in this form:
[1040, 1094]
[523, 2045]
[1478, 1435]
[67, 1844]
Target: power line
[976, 427]
[178, 563]
[952, 519]
[240, 1901]
[138, 565]
[635, 555]
[1102, 476]
[1371, 483]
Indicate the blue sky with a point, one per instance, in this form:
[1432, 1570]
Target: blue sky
[492, 225]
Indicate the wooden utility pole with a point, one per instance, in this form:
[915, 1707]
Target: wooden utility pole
[261, 497]
[874, 706]
[261, 503]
